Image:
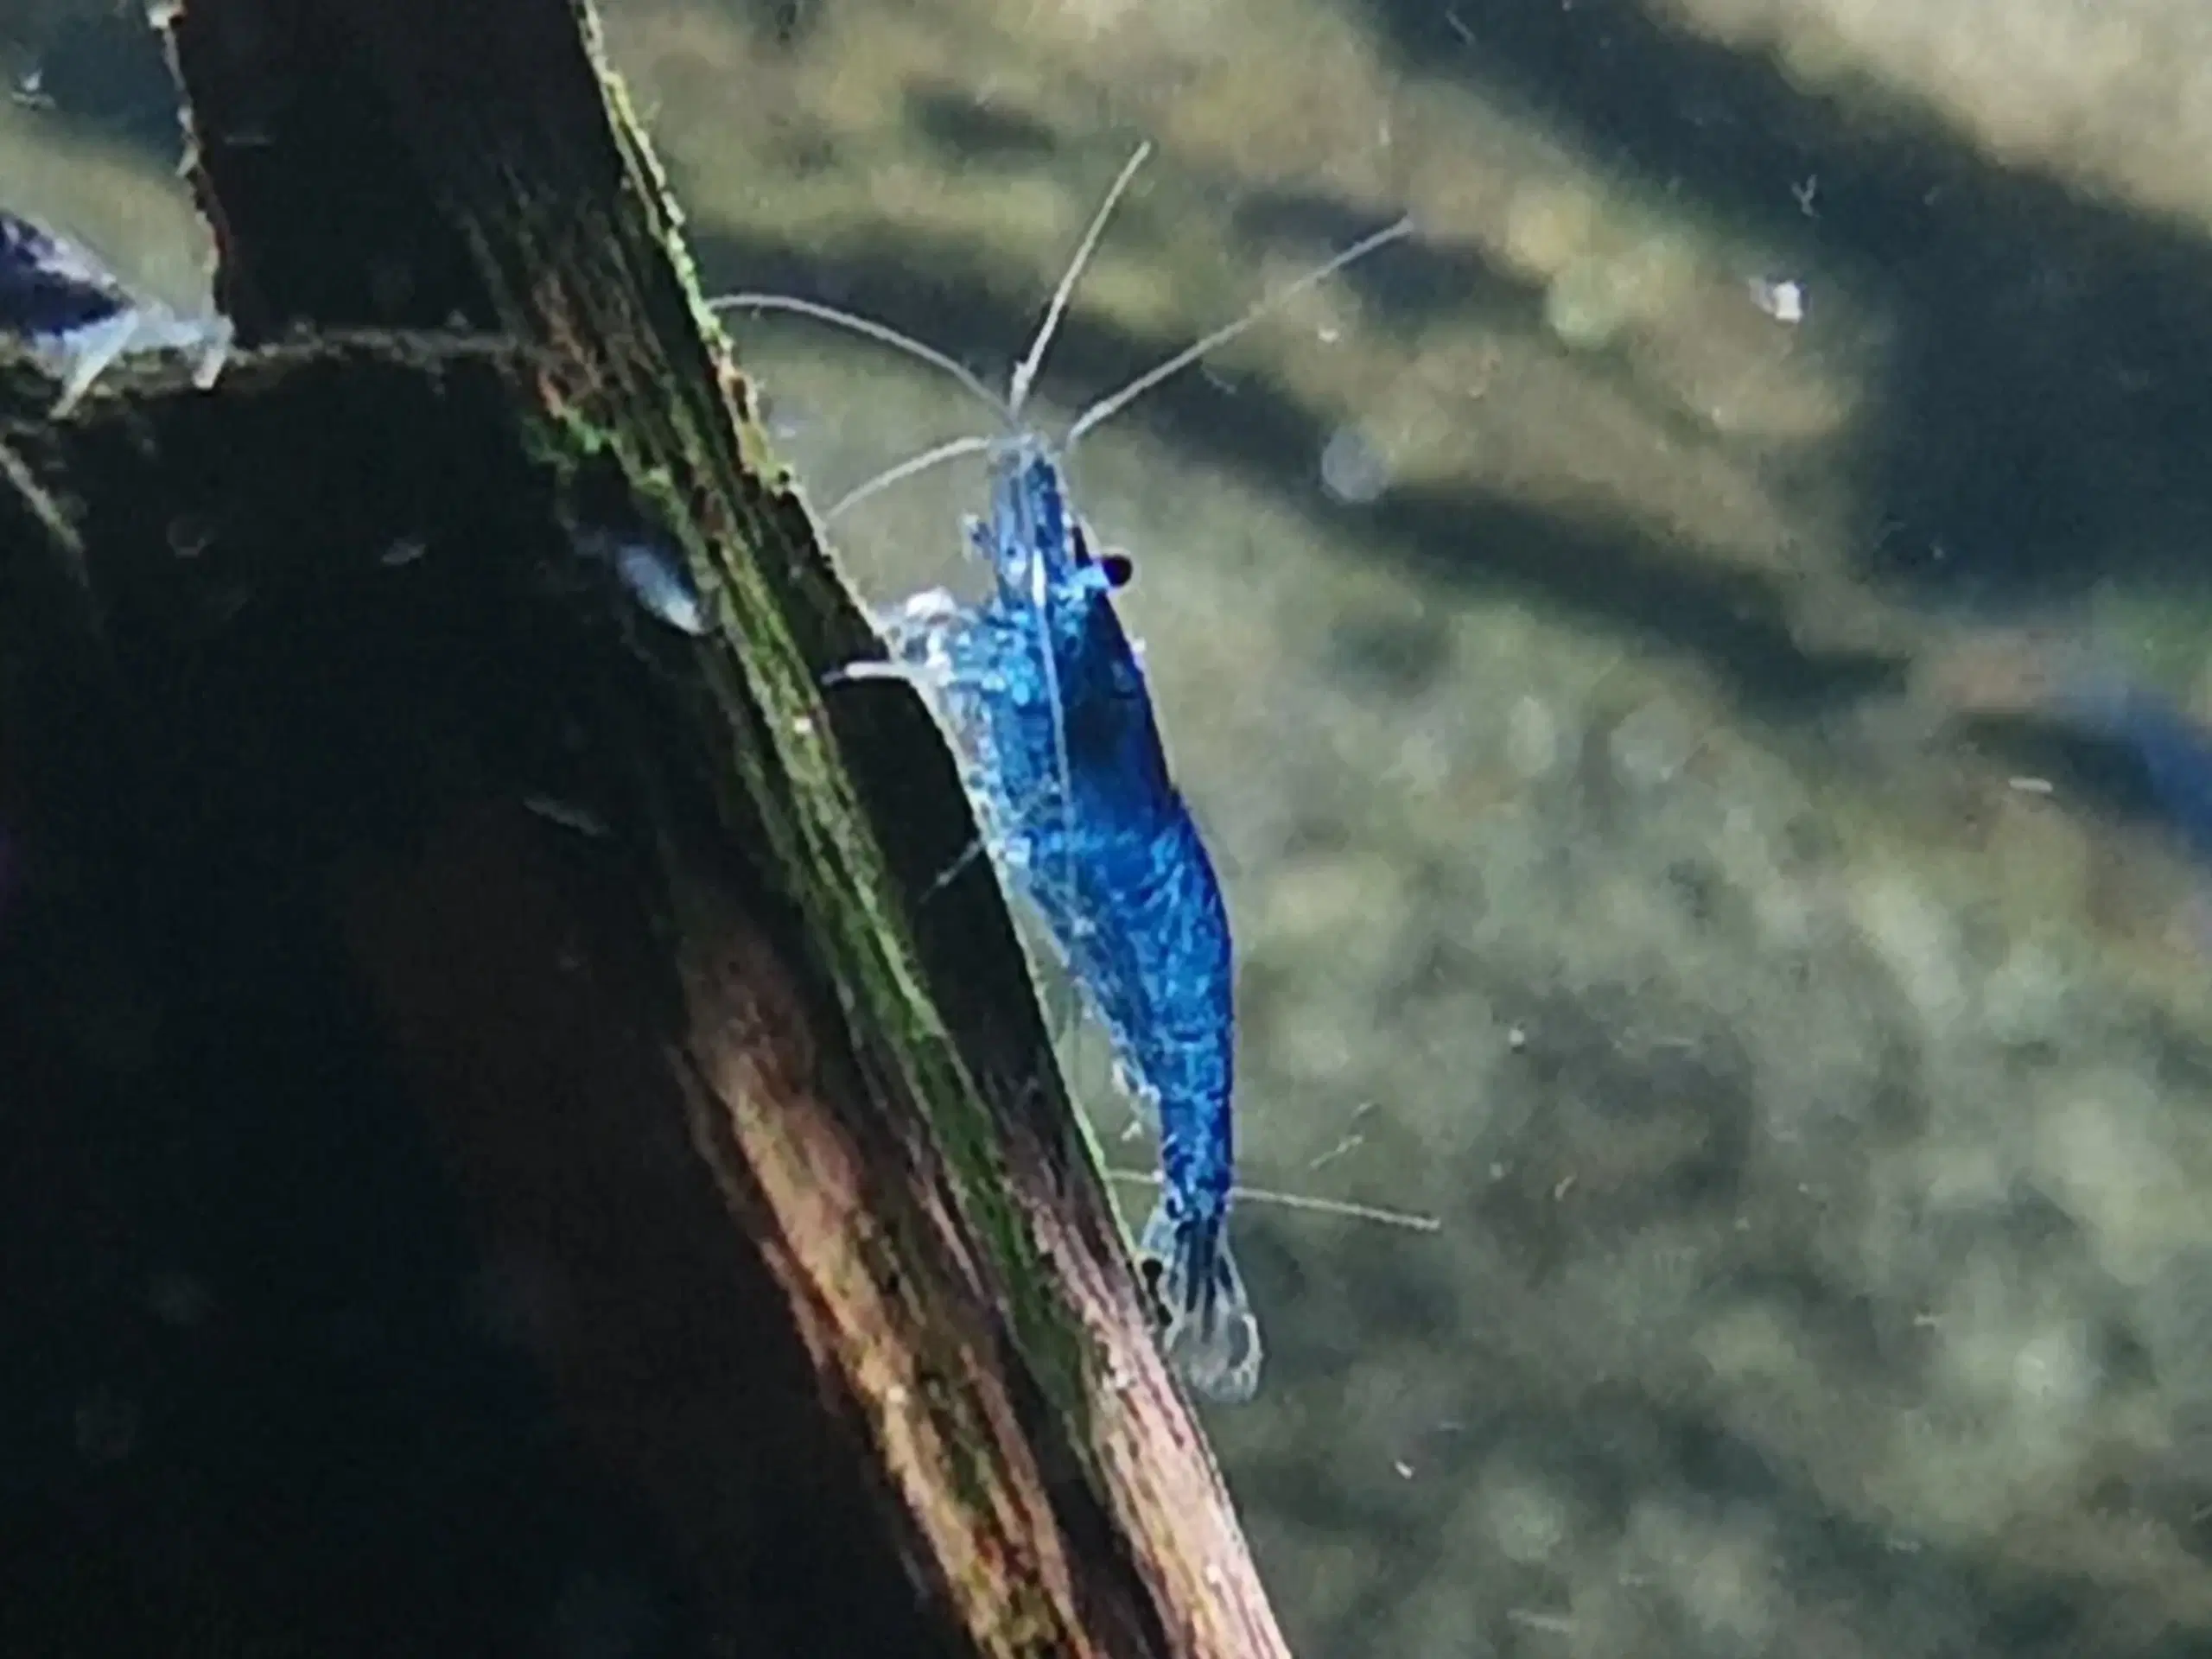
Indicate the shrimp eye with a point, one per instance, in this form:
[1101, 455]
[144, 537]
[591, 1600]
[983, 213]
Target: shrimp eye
[1120, 569]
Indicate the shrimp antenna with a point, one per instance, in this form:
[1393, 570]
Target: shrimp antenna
[1025, 373]
[1343, 1209]
[905, 469]
[1008, 408]
[882, 333]
[1107, 407]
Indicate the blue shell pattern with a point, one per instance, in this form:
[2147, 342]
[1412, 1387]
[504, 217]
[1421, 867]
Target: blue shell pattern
[1115, 867]
[48, 287]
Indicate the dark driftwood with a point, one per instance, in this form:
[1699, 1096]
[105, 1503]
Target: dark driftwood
[770, 1160]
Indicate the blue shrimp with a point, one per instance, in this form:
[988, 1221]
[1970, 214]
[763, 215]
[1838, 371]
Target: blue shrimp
[2174, 751]
[1061, 754]
[78, 319]
[1046, 705]
[2009, 674]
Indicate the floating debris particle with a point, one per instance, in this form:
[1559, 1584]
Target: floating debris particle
[1779, 297]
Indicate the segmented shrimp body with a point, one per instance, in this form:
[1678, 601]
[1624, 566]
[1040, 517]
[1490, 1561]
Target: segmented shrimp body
[1054, 724]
